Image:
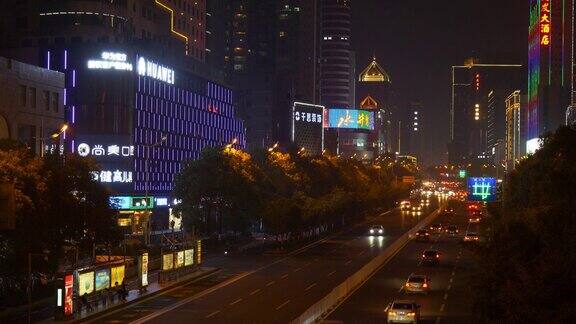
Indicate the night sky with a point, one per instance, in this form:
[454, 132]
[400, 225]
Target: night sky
[417, 41]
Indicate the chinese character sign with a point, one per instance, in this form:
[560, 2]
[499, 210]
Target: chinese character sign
[351, 119]
[481, 189]
[545, 23]
[308, 127]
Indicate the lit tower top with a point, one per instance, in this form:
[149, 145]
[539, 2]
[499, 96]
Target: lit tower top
[374, 73]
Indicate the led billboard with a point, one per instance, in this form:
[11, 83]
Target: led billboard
[481, 189]
[307, 127]
[351, 119]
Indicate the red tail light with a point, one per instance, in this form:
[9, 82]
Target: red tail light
[425, 285]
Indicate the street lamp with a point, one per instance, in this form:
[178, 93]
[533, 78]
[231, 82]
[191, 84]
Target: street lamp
[54, 136]
[275, 146]
[146, 184]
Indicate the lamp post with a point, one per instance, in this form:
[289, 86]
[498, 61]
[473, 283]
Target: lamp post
[146, 184]
[54, 136]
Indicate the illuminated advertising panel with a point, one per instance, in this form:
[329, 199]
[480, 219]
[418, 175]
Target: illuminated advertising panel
[307, 127]
[117, 275]
[533, 145]
[102, 279]
[86, 283]
[351, 119]
[68, 294]
[179, 259]
[545, 23]
[110, 61]
[198, 251]
[481, 189]
[144, 270]
[168, 261]
[156, 71]
[188, 257]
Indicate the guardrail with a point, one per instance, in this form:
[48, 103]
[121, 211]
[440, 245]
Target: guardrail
[326, 305]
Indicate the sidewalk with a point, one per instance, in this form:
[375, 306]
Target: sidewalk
[134, 296]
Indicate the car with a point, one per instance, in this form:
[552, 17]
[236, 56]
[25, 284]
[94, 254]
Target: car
[431, 257]
[416, 208]
[405, 204]
[436, 228]
[422, 235]
[376, 230]
[471, 237]
[403, 311]
[449, 210]
[452, 230]
[417, 283]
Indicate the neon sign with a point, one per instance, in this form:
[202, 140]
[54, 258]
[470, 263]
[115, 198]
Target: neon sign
[545, 23]
[111, 61]
[156, 71]
[481, 189]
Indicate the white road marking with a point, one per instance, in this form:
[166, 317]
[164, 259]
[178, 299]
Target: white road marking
[451, 280]
[283, 304]
[212, 314]
[401, 288]
[235, 302]
[449, 287]
[360, 254]
[284, 276]
[310, 287]
[453, 273]
[270, 283]
[442, 307]
[331, 273]
[445, 296]
[297, 269]
[255, 292]
[348, 262]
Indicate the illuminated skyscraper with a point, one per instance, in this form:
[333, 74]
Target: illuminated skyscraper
[515, 128]
[550, 64]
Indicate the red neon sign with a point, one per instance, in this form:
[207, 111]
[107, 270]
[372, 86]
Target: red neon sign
[68, 294]
[545, 23]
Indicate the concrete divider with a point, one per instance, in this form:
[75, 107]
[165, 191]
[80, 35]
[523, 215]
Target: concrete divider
[328, 303]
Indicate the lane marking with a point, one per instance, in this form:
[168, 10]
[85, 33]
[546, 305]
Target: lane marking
[451, 280]
[270, 283]
[348, 262]
[284, 276]
[235, 302]
[297, 269]
[361, 253]
[453, 273]
[255, 292]
[331, 273]
[307, 264]
[449, 287]
[445, 296]
[401, 288]
[212, 314]
[310, 287]
[283, 304]
[442, 307]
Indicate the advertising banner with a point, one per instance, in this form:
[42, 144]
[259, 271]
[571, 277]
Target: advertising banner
[168, 261]
[351, 119]
[482, 189]
[188, 257]
[307, 127]
[179, 259]
[102, 279]
[117, 275]
[198, 251]
[68, 294]
[144, 269]
[86, 283]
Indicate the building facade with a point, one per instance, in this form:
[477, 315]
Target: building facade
[550, 66]
[515, 128]
[32, 108]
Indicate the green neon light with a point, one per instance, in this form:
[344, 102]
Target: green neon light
[482, 190]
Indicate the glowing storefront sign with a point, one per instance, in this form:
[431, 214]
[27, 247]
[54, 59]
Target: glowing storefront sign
[545, 23]
[68, 294]
[144, 270]
[156, 71]
[85, 149]
[102, 279]
[481, 189]
[168, 261]
[188, 257]
[533, 145]
[86, 283]
[117, 275]
[110, 61]
[112, 176]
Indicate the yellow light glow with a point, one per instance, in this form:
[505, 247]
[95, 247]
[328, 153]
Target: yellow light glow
[172, 23]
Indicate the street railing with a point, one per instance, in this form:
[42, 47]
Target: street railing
[326, 305]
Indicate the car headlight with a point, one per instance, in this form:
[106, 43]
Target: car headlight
[380, 231]
[371, 231]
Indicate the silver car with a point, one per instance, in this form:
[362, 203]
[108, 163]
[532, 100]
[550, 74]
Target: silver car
[403, 311]
[417, 284]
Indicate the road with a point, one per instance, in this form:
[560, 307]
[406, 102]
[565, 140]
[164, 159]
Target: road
[258, 289]
[449, 300]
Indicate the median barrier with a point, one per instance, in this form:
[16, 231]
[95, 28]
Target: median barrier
[328, 303]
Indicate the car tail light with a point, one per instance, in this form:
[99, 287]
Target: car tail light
[411, 314]
[407, 285]
[437, 255]
[423, 255]
[393, 313]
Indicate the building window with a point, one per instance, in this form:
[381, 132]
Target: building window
[22, 96]
[46, 100]
[55, 100]
[32, 97]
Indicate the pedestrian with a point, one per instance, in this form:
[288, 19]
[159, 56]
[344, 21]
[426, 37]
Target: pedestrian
[123, 291]
[104, 297]
[86, 303]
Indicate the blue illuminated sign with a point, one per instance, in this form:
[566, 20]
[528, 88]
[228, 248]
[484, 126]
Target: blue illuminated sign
[481, 189]
[351, 119]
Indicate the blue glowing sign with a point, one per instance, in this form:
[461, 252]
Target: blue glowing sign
[351, 119]
[481, 189]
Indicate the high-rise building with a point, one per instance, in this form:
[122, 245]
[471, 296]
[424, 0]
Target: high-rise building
[515, 128]
[335, 57]
[550, 66]
[415, 139]
[477, 109]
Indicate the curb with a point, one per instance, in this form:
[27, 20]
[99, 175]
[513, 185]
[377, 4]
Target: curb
[116, 307]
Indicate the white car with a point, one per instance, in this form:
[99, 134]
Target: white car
[376, 230]
[471, 237]
[403, 311]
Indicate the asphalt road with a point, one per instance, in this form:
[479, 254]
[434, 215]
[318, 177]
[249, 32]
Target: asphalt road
[449, 300]
[258, 289]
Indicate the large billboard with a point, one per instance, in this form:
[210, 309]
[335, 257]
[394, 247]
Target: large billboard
[307, 127]
[351, 119]
[481, 189]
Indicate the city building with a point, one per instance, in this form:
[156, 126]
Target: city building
[477, 114]
[336, 66]
[413, 132]
[550, 67]
[137, 94]
[374, 94]
[515, 128]
[31, 109]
